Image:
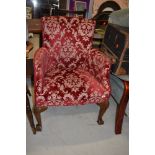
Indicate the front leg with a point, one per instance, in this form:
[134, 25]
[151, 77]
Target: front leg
[37, 113]
[103, 107]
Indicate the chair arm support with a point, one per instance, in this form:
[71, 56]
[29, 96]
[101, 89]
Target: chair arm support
[41, 58]
[99, 64]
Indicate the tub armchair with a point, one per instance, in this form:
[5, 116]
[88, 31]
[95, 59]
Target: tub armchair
[67, 70]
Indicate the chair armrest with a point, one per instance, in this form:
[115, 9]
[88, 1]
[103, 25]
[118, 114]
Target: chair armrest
[41, 58]
[99, 65]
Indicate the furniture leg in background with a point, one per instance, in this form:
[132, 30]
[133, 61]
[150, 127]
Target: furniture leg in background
[29, 111]
[120, 112]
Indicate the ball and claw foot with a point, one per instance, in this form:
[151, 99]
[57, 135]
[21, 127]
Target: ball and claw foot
[100, 122]
[34, 131]
[38, 127]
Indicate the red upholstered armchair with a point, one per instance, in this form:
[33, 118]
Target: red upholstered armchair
[67, 71]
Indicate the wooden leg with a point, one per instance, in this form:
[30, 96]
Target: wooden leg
[121, 108]
[37, 113]
[103, 108]
[29, 114]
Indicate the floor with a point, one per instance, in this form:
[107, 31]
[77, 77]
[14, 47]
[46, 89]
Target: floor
[74, 130]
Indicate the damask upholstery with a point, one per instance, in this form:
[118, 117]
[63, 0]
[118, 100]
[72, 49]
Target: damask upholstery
[67, 70]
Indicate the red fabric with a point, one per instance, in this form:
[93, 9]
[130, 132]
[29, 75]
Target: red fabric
[67, 71]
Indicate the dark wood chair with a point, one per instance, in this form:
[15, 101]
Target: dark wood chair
[61, 12]
[102, 19]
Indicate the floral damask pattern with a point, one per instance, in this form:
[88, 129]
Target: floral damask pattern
[67, 71]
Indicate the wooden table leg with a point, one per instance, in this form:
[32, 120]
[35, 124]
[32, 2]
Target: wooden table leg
[29, 112]
[121, 108]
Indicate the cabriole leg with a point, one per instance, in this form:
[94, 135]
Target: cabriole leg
[103, 107]
[37, 113]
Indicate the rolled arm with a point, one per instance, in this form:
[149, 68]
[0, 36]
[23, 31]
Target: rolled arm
[99, 64]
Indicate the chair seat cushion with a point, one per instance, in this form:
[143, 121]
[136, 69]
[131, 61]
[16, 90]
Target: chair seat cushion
[71, 87]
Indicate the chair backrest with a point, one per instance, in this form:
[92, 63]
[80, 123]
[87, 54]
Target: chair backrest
[67, 38]
[70, 13]
[68, 32]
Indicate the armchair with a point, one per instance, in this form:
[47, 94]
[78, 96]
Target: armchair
[67, 70]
